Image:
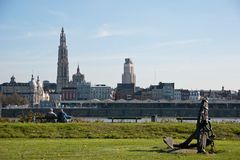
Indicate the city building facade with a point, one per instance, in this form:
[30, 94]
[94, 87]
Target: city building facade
[49, 87]
[162, 91]
[177, 95]
[182, 94]
[82, 87]
[101, 92]
[194, 95]
[125, 91]
[68, 93]
[185, 94]
[143, 94]
[32, 91]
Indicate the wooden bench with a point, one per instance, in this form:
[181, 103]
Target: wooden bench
[181, 119]
[124, 118]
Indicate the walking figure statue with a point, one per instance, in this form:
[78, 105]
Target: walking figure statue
[203, 132]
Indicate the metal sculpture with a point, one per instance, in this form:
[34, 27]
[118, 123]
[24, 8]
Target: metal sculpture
[203, 133]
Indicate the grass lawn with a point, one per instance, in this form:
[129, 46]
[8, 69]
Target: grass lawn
[229, 131]
[112, 149]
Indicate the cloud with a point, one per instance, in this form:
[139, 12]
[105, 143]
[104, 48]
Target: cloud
[106, 31]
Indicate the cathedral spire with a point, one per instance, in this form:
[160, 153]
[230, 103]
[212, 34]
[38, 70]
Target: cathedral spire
[78, 70]
[62, 38]
[62, 68]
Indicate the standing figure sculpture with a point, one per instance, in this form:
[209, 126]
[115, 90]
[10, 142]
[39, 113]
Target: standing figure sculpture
[202, 127]
[203, 132]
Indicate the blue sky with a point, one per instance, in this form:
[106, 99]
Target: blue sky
[195, 44]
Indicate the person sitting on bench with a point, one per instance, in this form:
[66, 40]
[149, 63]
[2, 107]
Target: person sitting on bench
[63, 117]
[51, 116]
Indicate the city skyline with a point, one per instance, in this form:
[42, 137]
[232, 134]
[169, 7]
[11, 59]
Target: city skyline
[193, 44]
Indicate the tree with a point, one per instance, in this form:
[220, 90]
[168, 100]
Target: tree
[2, 99]
[14, 99]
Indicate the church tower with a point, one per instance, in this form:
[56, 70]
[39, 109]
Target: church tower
[62, 69]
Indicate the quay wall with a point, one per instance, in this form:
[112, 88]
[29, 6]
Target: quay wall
[227, 110]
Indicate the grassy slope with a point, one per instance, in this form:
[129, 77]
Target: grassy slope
[117, 149]
[112, 130]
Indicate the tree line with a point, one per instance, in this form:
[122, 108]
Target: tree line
[14, 99]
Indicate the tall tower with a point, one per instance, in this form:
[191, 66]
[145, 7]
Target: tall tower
[128, 75]
[62, 69]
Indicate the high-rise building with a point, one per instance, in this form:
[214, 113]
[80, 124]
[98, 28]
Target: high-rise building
[128, 75]
[62, 69]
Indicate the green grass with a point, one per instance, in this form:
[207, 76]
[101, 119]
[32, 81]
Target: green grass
[118, 141]
[105, 149]
[230, 131]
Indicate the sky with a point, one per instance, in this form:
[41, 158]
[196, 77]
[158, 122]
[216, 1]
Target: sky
[193, 43]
